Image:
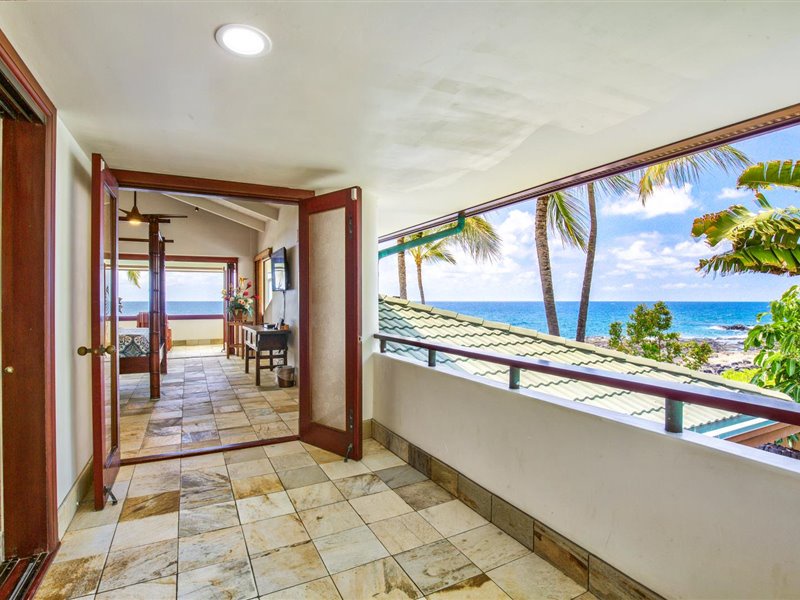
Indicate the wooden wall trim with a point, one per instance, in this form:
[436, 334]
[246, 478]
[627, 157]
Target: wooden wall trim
[159, 182]
[29, 428]
[729, 134]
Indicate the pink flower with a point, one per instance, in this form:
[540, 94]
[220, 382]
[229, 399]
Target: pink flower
[245, 293]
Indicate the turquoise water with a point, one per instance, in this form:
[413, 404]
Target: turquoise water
[212, 307]
[691, 319]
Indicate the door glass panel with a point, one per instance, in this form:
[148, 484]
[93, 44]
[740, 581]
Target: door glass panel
[327, 317]
[110, 306]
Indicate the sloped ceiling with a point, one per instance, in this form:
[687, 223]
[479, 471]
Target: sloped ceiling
[430, 107]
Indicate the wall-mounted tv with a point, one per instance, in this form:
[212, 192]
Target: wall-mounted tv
[280, 271]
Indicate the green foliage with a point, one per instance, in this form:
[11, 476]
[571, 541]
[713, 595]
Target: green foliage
[648, 334]
[135, 277]
[778, 341]
[568, 219]
[767, 241]
[743, 376]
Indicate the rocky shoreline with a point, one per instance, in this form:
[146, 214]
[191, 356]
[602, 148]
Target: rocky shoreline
[729, 353]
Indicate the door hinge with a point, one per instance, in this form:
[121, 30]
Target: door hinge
[350, 226]
[350, 419]
[353, 194]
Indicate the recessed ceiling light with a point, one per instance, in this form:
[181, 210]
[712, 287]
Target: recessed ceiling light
[243, 40]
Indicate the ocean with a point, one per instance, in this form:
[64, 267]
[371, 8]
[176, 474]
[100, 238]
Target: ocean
[691, 319]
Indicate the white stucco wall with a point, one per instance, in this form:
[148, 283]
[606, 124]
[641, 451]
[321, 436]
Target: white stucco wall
[202, 234]
[284, 233]
[686, 515]
[369, 296]
[72, 310]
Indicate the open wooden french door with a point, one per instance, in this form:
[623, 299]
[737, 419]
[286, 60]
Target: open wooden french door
[105, 321]
[330, 322]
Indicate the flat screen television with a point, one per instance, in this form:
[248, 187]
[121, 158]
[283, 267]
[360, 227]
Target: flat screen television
[280, 271]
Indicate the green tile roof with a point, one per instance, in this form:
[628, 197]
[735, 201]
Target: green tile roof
[404, 318]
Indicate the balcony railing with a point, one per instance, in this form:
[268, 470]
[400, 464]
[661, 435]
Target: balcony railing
[674, 394]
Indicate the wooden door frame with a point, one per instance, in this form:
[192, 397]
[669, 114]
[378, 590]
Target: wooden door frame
[28, 342]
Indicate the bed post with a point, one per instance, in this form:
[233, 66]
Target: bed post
[155, 246]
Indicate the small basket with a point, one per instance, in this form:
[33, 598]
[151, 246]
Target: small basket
[285, 377]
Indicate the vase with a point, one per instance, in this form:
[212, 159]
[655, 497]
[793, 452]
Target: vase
[238, 315]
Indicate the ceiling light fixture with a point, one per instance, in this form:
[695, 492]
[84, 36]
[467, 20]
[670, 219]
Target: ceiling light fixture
[243, 40]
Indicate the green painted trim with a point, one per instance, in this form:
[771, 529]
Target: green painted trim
[431, 237]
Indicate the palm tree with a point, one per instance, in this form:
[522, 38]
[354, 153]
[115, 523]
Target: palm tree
[478, 238]
[617, 184]
[135, 277]
[432, 252]
[401, 270]
[688, 169]
[563, 214]
[767, 241]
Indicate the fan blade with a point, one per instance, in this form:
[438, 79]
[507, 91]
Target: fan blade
[159, 215]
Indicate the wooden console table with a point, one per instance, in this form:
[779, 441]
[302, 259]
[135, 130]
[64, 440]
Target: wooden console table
[273, 342]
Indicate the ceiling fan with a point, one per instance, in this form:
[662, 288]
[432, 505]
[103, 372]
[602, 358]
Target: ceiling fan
[135, 217]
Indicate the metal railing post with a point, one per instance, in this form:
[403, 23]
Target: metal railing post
[513, 378]
[431, 358]
[383, 346]
[673, 416]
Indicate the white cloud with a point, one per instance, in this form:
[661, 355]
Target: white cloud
[731, 193]
[665, 200]
[646, 257]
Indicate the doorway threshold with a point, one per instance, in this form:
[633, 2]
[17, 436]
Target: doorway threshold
[210, 450]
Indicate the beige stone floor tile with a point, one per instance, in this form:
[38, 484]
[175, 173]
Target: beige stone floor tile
[348, 549]
[315, 495]
[136, 565]
[479, 587]
[149, 530]
[451, 518]
[271, 534]
[319, 589]
[436, 566]
[328, 519]
[207, 518]
[380, 506]
[265, 506]
[587, 596]
[146, 485]
[72, 578]
[245, 455]
[203, 461]
[382, 460]
[156, 589]
[378, 579]
[320, 455]
[212, 547]
[85, 542]
[404, 532]
[488, 547]
[287, 567]
[250, 468]
[139, 507]
[302, 477]
[268, 431]
[423, 494]
[370, 446]
[87, 517]
[360, 485]
[341, 469]
[231, 581]
[256, 486]
[532, 578]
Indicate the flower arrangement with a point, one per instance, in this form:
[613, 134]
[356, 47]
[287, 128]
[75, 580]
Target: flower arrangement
[240, 299]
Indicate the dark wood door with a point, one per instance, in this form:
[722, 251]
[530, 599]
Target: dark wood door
[105, 322]
[330, 321]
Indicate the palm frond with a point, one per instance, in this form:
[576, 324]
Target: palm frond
[782, 173]
[567, 218]
[687, 169]
[479, 239]
[616, 185]
[432, 252]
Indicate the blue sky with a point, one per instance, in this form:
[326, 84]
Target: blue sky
[181, 286]
[644, 253]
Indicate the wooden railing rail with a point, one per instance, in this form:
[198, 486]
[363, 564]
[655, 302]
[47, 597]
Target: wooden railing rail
[674, 394]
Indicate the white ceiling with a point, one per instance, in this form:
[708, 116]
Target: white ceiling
[429, 107]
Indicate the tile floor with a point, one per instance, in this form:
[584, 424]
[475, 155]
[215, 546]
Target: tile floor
[205, 401]
[292, 521]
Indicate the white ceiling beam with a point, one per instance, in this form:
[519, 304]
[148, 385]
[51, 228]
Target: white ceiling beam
[254, 208]
[209, 205]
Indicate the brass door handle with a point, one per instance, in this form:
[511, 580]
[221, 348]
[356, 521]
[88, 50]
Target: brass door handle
[110, 349]
[9, 369]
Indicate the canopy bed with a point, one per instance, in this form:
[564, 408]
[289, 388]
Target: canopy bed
[144, 349]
